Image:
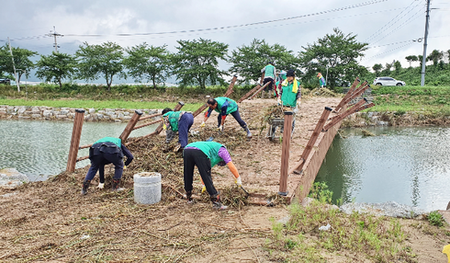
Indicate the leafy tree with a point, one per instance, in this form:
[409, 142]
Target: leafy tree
[56, 67]
[249, 60]
[435, 56]
[22, 61]
[197, 62]
[100, 60]
[377, 68]
[411, 58]
[337, 51]
[397, 66]
[420, 57]
[148, 62]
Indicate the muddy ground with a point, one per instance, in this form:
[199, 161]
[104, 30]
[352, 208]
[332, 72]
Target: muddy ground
[50, 221]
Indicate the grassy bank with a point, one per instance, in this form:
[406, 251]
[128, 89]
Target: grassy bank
[428, 99]
[112, 104]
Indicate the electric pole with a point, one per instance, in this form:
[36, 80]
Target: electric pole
[424, 58]
[14, 66]
[54, 34]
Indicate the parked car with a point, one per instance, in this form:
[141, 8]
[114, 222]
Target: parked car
[5, 81]
[388, 81]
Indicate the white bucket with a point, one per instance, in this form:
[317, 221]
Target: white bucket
[147, 188]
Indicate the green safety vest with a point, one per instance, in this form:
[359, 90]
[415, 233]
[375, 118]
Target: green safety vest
[211, 149]
[269, 71]
[288, 97]
[174, 117]
[114, 140]
[232, 105]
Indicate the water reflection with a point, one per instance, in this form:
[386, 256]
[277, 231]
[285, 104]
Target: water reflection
[40, 148]
[406, 165]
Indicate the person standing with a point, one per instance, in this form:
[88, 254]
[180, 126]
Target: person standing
[225, 106]
[205, 155]
[105, 151]
[269, 77]
[321, 80]
[290, 90]
[177, 121]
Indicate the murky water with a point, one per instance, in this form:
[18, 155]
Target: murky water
[40, 148]
[410, 166]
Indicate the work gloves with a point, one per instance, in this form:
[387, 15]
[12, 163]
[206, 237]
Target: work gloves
[101, 185]
[202, 125]
[238, 182]
[220, 128]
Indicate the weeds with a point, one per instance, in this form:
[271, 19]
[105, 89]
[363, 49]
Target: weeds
[435, 219]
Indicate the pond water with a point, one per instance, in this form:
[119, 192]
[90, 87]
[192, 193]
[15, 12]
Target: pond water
[410, 166]
[40, 148]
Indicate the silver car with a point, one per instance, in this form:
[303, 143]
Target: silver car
[388, 81]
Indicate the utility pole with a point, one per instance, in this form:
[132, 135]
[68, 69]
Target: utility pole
[54, 34]
[14, 66]
[424, 58]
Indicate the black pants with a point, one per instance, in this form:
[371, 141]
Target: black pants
[270, 86]
[192, 158]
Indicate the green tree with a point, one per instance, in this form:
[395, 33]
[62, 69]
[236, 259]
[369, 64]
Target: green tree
[377, 68]
[411, 58]
[148, 62]
[249, 60]
[104, 60]
[56, 67]
[435, 56]
[197, 62]
[336, 51]
[22, 61]
[397, 66]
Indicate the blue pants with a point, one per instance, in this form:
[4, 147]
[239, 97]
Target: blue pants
[236, 116]
[184, 124]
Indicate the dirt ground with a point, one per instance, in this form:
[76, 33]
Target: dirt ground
[52, 222]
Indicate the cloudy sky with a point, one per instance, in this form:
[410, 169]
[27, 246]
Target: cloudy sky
[389, 26]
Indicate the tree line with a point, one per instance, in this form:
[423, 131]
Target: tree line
[196, 62]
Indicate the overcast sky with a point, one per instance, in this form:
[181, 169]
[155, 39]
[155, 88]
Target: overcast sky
[389, 26]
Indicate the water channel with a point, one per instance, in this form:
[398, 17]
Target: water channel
[410, 166]
[40, 148]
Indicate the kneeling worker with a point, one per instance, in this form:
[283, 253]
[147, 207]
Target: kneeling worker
[177, 121]
[205, 155]
[225, 106]
[105, 151]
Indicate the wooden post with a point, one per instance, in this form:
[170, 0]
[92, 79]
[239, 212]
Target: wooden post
[312, 140]
[288, 115]
[255, 89]
[357, 107]
[355, 94]
[75, 141]
[130, 126]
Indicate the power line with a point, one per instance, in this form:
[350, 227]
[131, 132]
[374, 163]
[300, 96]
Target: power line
[388, 23]
[241, 25]
[399, 26]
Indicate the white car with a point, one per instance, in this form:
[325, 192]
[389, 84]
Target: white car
[388, 81]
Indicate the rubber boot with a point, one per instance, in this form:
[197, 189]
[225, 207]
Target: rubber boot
[86, 184]
[115, 185]
[247, 130]
[216, 204]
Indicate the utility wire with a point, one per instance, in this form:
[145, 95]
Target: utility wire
[388, 51]
[388, 24]
[241, 25]
[399, 26]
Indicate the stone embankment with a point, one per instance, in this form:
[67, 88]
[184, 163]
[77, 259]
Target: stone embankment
[67, 114]
[392, 118]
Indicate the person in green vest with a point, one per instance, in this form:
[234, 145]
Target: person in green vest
[105, 151]
[177, 121]
[225, 106]
[269, 77]
[290, 90]
[205, 155]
